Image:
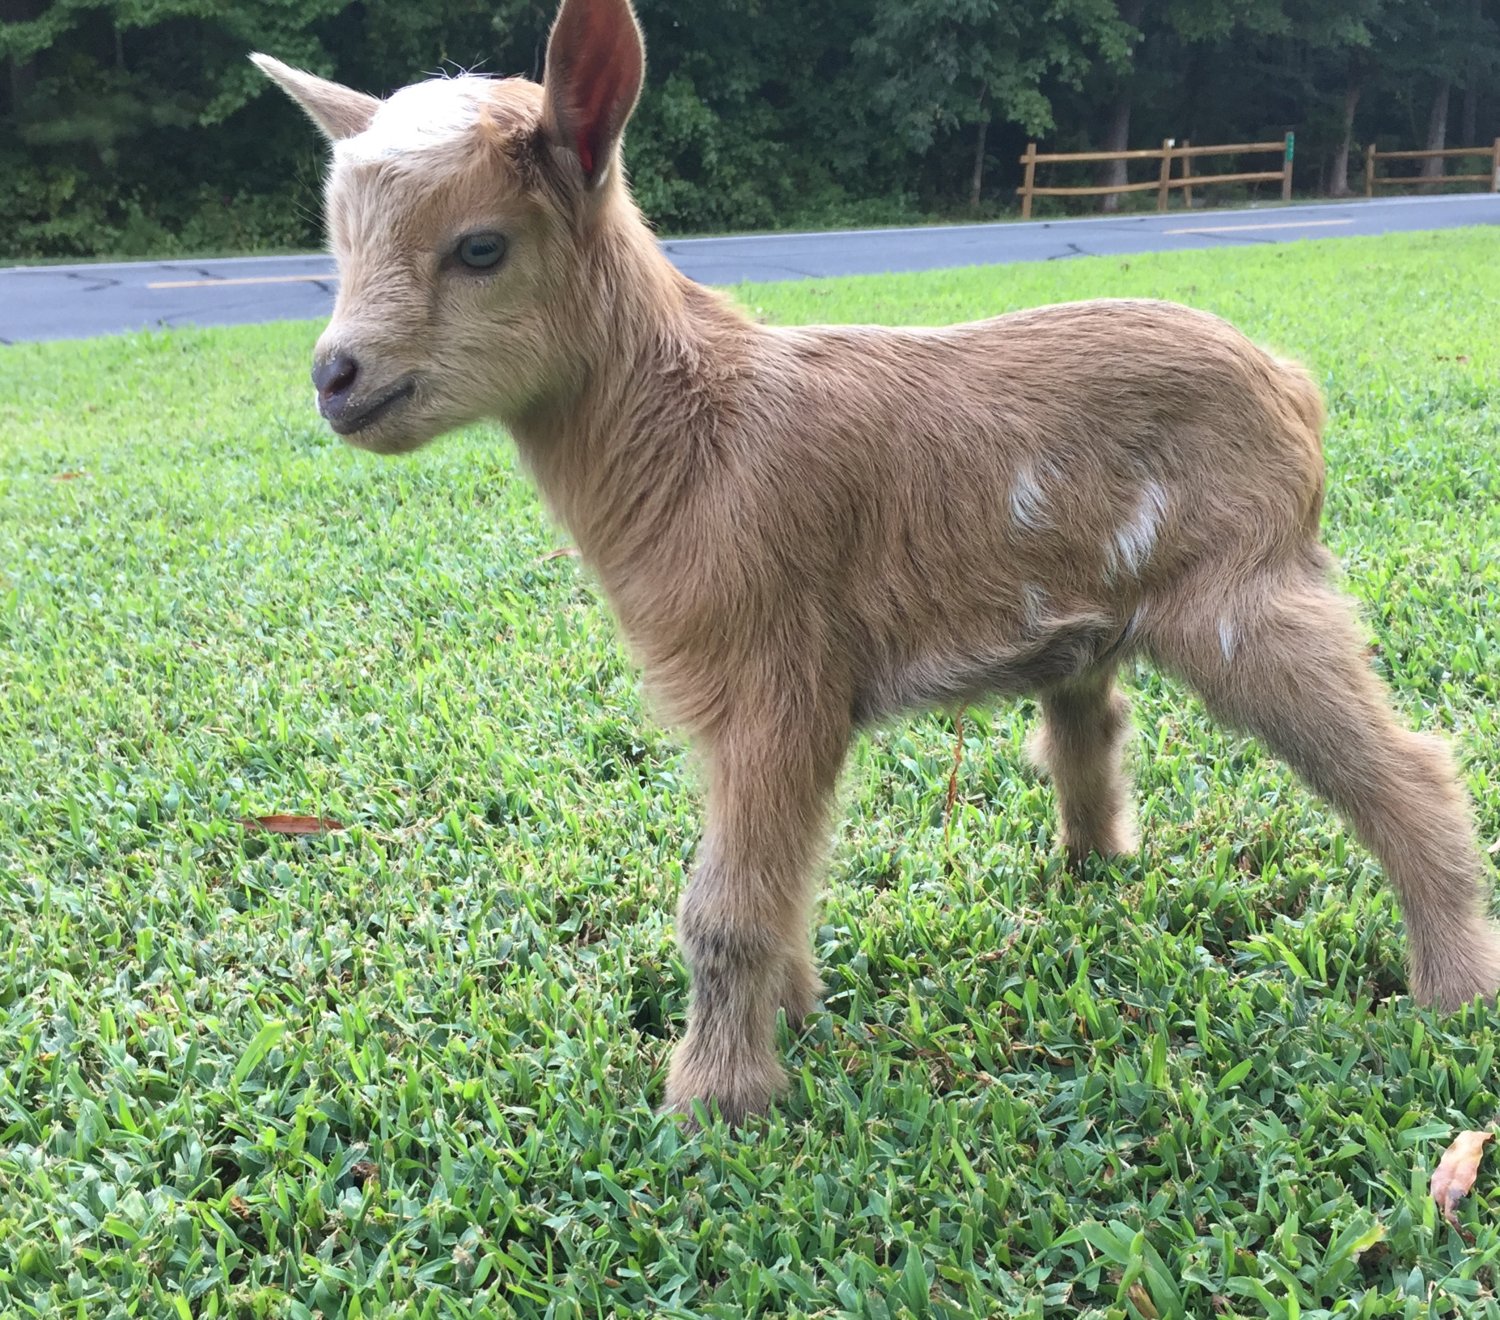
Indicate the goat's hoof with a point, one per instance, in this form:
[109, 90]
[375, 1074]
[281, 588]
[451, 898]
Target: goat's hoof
[738, 1087]
[800, 993]
[1108, 840]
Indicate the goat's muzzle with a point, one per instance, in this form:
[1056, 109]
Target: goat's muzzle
[348, 408]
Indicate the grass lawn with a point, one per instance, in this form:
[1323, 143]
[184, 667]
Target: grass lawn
[408, 1069]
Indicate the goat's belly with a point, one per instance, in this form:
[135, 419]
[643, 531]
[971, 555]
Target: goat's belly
[965, 674]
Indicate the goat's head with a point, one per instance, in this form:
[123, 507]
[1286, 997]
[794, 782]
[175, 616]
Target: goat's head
[462, 213]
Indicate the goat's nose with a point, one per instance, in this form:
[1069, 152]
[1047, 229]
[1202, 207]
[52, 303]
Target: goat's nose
[334, 380]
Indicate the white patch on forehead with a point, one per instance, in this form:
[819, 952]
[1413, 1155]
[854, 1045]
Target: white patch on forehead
[417, 118]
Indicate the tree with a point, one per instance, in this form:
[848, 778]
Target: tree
[1163, 38]
[942, 66]
[1424, 48]
[1119, 96]
[137, 126]
[1336, 39]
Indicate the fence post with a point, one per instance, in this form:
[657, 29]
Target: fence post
[1286, 168]
[1029, 161]
[1187, 173]
[1165, 177]
[1370, 170]
[1495, 167]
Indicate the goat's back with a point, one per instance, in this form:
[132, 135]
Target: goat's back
[989, 506]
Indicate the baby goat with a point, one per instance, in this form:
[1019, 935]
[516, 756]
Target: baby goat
[805, 531]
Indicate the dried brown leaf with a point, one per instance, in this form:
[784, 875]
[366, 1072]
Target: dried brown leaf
[562, 552]
[68, 476]
[291, 824]
[1142, 1300]
[365, 1171]
[1454, 1176]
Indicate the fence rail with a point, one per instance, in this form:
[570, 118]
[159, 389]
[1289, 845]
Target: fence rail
[1163, 184]
[1373, 158]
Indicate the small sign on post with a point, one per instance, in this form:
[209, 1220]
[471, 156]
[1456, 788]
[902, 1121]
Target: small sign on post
[1286, 169]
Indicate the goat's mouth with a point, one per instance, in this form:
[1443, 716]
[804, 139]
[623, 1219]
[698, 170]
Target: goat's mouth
[353, 423]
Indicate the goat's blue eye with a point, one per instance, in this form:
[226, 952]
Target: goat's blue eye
[480, 251]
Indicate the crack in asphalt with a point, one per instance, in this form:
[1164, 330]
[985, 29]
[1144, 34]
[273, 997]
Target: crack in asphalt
[757, 274]
[96, 282]
[1075, 252]
[777, 270]
[202, 272]
[1226, 237]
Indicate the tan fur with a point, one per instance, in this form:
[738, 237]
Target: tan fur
[803, 531]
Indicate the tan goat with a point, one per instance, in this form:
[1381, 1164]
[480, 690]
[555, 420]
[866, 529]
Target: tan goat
[803, 531]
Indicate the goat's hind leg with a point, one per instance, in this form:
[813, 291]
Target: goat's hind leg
[1081, 745]
[1284, 659]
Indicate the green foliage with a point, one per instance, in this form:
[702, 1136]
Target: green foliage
[939, 65]
[137, 126]
[407, 1070]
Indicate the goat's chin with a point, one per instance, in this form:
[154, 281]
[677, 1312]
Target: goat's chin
[399, 432]
[389, 439]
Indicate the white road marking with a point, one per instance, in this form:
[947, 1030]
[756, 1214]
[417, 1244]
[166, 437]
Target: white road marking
[1235, 229]
[246, 279]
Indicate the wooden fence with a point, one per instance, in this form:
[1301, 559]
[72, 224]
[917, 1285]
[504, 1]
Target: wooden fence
[1373, 158]
[1164, 183]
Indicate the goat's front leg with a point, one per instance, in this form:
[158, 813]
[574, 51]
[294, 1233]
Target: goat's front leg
[743, 922]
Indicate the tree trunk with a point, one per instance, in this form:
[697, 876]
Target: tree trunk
[20, 74]
[1437, 131]
[1338, 185]
[1117, 130]
[1469, 132]
[976, 184]
[1116, 138]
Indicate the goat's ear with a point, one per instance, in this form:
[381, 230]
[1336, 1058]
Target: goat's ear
[595, 62]
[339, 111]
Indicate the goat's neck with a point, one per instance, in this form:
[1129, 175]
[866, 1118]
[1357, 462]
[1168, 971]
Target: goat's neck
[647, 355]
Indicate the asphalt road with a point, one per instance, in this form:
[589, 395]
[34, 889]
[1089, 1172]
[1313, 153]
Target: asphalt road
[70, 302]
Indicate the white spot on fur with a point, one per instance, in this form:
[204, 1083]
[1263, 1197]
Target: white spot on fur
[1227, 639]
[1028, 502]
[1133, 543]
[1033, 606]
[417, 118]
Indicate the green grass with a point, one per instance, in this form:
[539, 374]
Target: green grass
[409, 1069]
